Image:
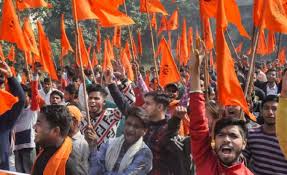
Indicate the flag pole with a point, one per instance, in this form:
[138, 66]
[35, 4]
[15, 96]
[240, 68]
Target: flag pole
[152, 41]
[232, 45]
[130, 34]
[81, 62]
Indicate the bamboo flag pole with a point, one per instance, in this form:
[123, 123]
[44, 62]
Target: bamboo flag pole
[232, 45]
[81, 63]
[152, 41]
[130, 34]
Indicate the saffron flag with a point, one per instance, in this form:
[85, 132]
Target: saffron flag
[30, 37]
[190, 40]
[25, 4]
[7, 101]
[168, 69]
[127, 50]
[94, 58]
[159, 47]
[183, 45]
[171, 24]
[262, 45]
[282, 56]
[66, 46]
[117, 37]
[153, 21]
[11, 55]
[127, 65]
[46, 56]
[272, 15]
[107, 62]
[82, 9]
[99, 40]
[110, 49]
[228, 84]
[271, 42]
[207, 35]
[10, 29]
[83, 51]
[239, 47]
[110, 17]
[152, 6]
[177, 51]
[134, 48]
[209, 9]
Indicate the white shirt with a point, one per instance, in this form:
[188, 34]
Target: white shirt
[272, 91]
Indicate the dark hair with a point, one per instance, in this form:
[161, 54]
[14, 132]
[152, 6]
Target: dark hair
[139, 113]
[270, 70]
[97, 88]
[222, 123]
[269, 98]
[57, 92]
[74, 78]
[159, 97]
[47, 80]
[71, 89]
[27, 89]
[57, 116]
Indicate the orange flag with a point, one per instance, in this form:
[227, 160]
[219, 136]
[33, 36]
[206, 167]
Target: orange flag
[66, 46]
[1, 54]
[30, 37]
[94, 59]
[83, 10]
[211, 61]
[46, 56]
[273, 15]
[7, 101]
[147, 78]
[117, 37]
[183, 45]
[107, 62]
[110, 17]
[153, 21]
[140, 47]
[99, 40]
[282, 56]
[171, 24]
[168, 69]
[127, 50]
[262, 46]
[189, 40]
[209, 8]
[127, 65]
[10, 29]
[228, 84]
[207, 37]
[28, 58]
[271, 42]
[11, 55]
[152, 6]
[84, 53]
[239, 48]
[110, 50]
[159, 47]
[25, 4]
[134, 48]
[178, 49]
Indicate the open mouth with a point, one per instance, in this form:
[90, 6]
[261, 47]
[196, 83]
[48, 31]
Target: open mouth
[226, 150]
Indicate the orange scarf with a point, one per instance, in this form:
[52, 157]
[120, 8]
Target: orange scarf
[57, 163]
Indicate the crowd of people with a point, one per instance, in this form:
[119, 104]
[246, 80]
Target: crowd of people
[137, 127]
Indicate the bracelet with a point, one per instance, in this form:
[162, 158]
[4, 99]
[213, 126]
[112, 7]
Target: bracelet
[196, 91]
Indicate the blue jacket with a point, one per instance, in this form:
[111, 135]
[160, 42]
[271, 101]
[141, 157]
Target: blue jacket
[8, 120]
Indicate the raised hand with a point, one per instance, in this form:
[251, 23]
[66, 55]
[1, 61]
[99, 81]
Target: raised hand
[108, 75]
[91, 136]
[5, 69]
[284, 86]
[180, 112]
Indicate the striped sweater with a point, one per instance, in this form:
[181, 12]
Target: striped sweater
[264, 154]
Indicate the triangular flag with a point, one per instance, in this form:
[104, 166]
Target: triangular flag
[66, 46]
[46, 56]
[10, 29]
[207, 37]
[134, 48]
[110, 49]
[2, 54]
[153, 21]
[152, 6]
[11, 55]
[127, 50]
[107, 62]
[189, 40]
[117, 37]
[168, 69]
[94, 59]
[127, 65]
[271, 42]
[99, 41]
[25, 4]
[7, 101]
[140, 47]
[282, 56]
[30, 37]
[228, 83]
[183, 45]
[209, 8]
[83, 50]
[262, 45]
[83, 10]
[171, 24]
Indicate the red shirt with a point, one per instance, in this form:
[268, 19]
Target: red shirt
[205, 159]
